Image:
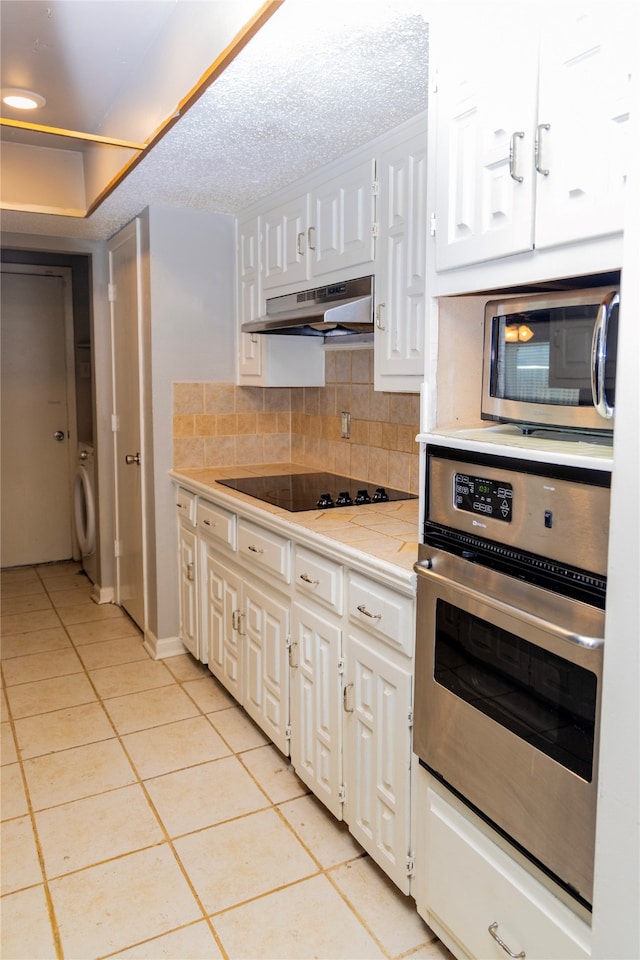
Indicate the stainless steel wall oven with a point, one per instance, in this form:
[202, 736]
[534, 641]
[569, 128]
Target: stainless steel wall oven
[511, 594]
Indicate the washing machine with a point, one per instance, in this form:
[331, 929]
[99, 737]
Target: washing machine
[84, 509]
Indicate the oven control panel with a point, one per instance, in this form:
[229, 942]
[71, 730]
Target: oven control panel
[483, 496]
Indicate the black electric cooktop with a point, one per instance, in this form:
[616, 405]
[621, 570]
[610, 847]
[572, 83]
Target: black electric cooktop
[311, 491]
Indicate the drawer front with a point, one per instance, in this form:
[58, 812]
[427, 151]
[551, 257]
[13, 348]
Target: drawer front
[383, 612]
[264, 549]
[319, 577]
[479, 894]
[186, 505]
[216, 523]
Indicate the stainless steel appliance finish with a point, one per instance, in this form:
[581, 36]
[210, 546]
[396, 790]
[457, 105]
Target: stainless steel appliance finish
[549, 360]
[333, 310]
[508, 671]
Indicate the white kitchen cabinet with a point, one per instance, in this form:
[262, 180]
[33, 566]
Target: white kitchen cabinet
[472, 891]
[250, 351]
[221, 609]
[530, 136]
[341, 231]
[284, 243]
[400, 326]
[186, 505]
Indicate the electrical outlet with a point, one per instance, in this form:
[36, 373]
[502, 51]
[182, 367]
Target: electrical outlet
[346, 425]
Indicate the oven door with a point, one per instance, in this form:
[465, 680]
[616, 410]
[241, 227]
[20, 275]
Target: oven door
[507, 695]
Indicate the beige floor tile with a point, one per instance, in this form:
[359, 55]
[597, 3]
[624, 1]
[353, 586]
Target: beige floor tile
[68, 598]
[237, 729]
[89, 831]
[86, 723]
[208, 694]
[109, 653]
[66, 582]
[174, 746]
[78, 772]
[195, 942]
[20, 864]
[390, 916]
[7, 744]
[328, 839]
[89, 613]
[40, 641]
[309, 919]
[58, 693]
[14, 799]
[150, 708]
[141, 896]
[202, 796]
[28, 622]
[434, 950]
[18, 575]
[235, 862]
[4, 709]
[24, 604]
[127, 678]
[185, 667]
[41, 666]
[25, 928]
[21, 588]
[63, 568]
[82, 633]
[274, 773]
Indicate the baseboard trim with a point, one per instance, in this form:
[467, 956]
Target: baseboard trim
[102, 594]
[161, 649]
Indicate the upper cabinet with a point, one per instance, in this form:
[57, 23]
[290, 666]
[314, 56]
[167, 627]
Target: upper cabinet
[530, 133]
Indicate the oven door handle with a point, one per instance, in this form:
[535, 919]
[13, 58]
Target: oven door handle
[425, 568]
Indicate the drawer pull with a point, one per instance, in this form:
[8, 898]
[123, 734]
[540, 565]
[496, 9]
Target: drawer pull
[179, 505]
[493, 931]
[307, 579]
[374, 616]
[255, 549]
[345, 697]
[190, 576]
[209, 523]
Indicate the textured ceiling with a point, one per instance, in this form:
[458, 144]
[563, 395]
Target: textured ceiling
[320, 78]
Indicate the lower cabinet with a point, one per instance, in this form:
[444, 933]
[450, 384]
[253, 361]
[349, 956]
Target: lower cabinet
[186, 505]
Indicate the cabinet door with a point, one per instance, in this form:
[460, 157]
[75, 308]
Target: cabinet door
[220, 620]
[377, 747]
[486, 108]
[266, 680]
[585, 81]
[187, 545]
[402, 263]
[284, 244]
[342, 221]
[250, 348]
[316, 683]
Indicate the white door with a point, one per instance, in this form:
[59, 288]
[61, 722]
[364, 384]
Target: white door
[38, 418]
[128, 453]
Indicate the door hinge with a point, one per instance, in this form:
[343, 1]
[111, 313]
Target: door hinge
[340, 666]
[375, 188]
[374, 229]
[111, 292]
[117, 548]
[342, 793]
[410, 865]
[115, 422]
[287, 732]
[432, 228]
[410, 718]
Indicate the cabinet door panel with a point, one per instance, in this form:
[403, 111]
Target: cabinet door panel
[250, 348]
[378, 756]
[266, 693]
[342, 221]
[220, 609]
[188, 596]
[284, 244]
[315, 705]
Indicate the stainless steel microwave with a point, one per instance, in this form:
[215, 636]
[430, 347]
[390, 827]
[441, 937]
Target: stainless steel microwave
[549, 360]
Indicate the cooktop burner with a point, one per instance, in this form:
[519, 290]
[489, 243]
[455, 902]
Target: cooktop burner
[314, 491]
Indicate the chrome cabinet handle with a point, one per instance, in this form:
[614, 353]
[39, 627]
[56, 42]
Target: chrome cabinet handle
[538, 148]
[599, 356]
[519, 134]
[379, 323]
[255, 549]
[132, 458]
[190, 571]
[493, 931]
[235, 620]
[59, 436]
[311, 236]
[307, 579]
[345, 697]
[374, 616]
[294, 643]
[299, 240]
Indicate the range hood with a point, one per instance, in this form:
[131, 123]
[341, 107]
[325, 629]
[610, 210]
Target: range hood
[331, 311]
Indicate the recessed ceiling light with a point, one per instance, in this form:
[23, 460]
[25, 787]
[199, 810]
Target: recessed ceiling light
[22, 99]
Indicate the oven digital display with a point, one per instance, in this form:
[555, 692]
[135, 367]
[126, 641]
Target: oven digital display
[491, 498]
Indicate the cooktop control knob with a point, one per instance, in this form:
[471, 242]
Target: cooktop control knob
[344, 499]
[362, 496]
[380, 495]
[325, 501]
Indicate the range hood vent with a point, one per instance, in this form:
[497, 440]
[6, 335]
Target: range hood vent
[331, 311]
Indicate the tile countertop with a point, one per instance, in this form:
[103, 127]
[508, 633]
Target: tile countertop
[382, 535]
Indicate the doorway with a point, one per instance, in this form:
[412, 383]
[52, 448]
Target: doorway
[38, 414]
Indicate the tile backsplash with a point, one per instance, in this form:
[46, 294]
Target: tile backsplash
[221, 424]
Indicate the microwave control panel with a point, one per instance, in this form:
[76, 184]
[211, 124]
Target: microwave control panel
[479, 495]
